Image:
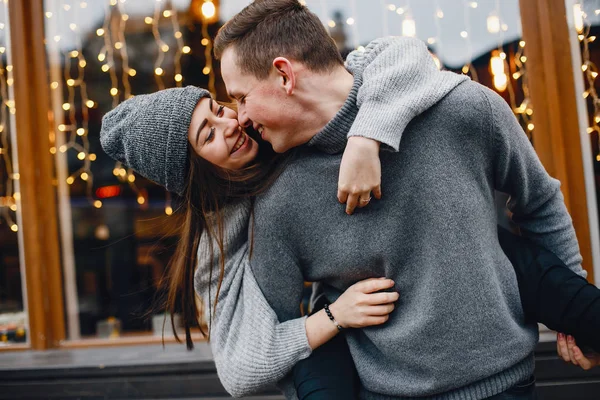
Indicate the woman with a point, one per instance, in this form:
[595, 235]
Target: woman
[218, 168]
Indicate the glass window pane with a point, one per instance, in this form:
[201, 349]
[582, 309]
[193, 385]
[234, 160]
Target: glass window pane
[116, 228]
[13, 313]
[584, 20]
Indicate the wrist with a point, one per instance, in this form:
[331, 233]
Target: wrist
[365, 143]
[330, 312]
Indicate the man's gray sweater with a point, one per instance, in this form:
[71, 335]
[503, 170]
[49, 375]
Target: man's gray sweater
[458, 331]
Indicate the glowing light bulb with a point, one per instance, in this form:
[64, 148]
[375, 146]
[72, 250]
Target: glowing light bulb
[331, 23]
[493, 23]
[90, 103]
[178, 78]
[206, 70]
[114, 91]
[208, 10]
[409, 27]
[80, 131]
[70, 180]
[464, 34]
[167, 13]
[578, 16]
[186, 49]
[99, 31]
[168, 210]
[501, 82]
[204, 42]
[14, 228]
[164, 48]
[148, 20]
[141, 200]
[92, 157]
[84, 176]
[350, 21]
[66, 106]
[158, 71]
[132, 72]
[97, 204]
[81, 155]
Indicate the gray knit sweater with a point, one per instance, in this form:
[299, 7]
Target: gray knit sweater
[458, 331]
[251, 348]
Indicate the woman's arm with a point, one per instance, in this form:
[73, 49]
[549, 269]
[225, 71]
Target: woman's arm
[398, 81]
[252, 349]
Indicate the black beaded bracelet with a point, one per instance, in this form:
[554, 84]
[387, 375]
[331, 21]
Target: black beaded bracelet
[330, 315]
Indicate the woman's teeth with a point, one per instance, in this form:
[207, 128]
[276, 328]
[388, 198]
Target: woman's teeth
[239, 143]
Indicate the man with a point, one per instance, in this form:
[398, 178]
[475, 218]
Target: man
[458, 331]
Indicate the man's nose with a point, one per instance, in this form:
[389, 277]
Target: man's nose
[243, 118]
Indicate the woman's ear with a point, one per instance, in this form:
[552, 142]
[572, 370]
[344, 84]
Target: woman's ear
[284, 69]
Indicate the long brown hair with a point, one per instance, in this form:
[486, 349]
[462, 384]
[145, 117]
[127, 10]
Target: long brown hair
[208, 189]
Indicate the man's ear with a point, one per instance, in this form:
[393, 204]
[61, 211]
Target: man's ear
[284, 69]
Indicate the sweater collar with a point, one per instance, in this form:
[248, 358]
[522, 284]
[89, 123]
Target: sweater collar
[333, 137]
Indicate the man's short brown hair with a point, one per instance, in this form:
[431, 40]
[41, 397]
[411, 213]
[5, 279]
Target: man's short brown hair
[267, 29]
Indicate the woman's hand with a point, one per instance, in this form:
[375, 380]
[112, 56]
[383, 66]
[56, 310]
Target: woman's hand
[360, 173]
[567, 349]
[357, 307]
[362, 304]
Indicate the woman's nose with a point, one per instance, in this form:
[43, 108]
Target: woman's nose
[231, 127]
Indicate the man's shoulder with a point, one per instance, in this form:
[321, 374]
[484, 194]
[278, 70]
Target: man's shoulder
[469, 95]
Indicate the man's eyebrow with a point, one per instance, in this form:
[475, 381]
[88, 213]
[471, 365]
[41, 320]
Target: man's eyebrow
[205, 121]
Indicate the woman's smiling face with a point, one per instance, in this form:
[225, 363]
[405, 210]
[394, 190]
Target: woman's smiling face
[216, 136]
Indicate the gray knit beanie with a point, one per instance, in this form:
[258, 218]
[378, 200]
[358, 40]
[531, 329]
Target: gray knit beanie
[149, 133]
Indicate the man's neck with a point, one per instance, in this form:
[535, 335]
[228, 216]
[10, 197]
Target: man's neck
[323, 95]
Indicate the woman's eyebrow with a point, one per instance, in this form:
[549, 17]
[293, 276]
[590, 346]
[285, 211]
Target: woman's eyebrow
[205, 121]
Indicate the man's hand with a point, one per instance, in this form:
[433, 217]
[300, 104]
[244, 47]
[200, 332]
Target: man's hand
[360, 173]
[568, 350]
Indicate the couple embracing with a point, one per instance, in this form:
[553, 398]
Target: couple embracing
[419, 294]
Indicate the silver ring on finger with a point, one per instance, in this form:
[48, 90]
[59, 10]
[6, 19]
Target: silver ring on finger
[365, 201]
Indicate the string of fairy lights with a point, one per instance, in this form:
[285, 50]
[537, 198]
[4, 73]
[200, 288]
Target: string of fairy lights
[115, 63]
[500, 69]
[589, 68]
[164, 23]
[9, 195]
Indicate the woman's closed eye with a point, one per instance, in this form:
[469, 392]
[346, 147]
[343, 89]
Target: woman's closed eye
[211, 132]
[211, 135]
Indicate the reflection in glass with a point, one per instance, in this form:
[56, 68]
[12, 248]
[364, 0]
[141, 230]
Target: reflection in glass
[117, 229]
[13, 316]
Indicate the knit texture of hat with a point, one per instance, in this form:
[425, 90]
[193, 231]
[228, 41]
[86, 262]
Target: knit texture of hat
[149, 133]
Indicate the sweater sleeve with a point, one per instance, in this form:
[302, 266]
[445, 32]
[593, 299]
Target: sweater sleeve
[251, 348]
[399, 81]
[536, 202]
